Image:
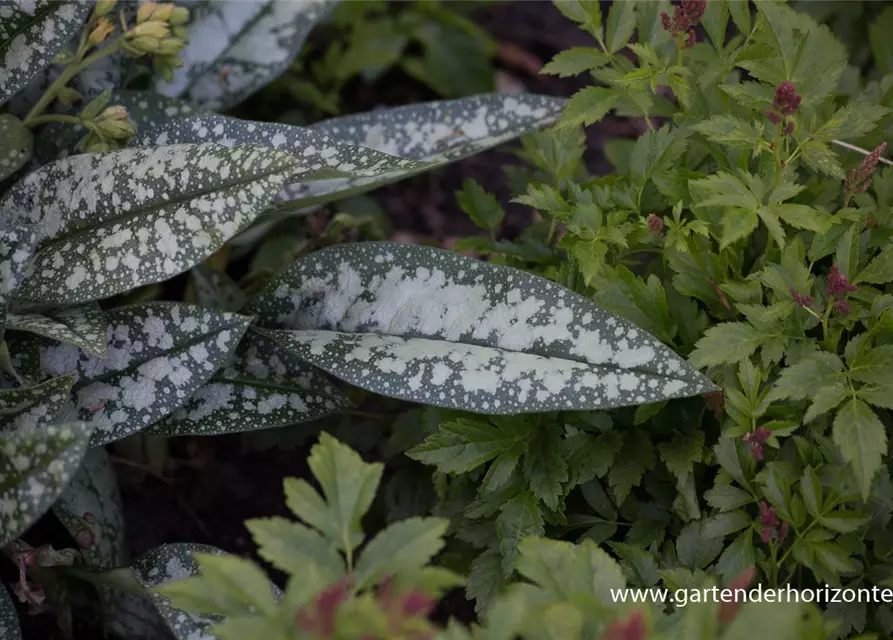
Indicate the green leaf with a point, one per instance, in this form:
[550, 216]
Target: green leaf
[485, 579]
[818, 377]
[35, 466]
[9, 618]
[36, 406]
[232, 51]
[737, 224]
[518, 518]
[632, 461]
[545, 467]
[682, 451]
[862, 440]
[779, 621]
[726, 497]
[574, 61]
[721, 525]
[431, 326]
[90, 508]
[31, 34]
[95, 243]
[83, 326]
[820, 157]
[567, 571]
[16, 145]
[852, 121]
[587, 14]
[726, 343]
[655, 153]
[879, 39]
[620, 26]
[481, 206]
[879, 270]
[348, 487]
[588, 105]
[180, 347]
[261, 386]
[291, 547]
[811, 491]
[731, 132]
[462, 445]
[874, 365]
[740, 12]
[401, 547]
[640, 565]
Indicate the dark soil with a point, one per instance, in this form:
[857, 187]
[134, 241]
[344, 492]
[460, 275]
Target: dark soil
[217, 483]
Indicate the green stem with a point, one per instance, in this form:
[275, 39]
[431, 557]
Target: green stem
[777, 151]
[54, 118]
[64, 78]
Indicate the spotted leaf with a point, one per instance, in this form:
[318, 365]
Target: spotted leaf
[83, 326]
[36, 406]
[434, 133]
[315, 152]
[435, 327]
[110, 222]
[35, 467]
[90, 508]
[17, 244]
[9, 619]
[16, 145]
[235, 48]
[159, 354]
[31, 34]
[263, 387]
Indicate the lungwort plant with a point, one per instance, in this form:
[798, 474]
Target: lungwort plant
[110, 192]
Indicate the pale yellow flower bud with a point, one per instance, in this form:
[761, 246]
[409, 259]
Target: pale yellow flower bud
[152, 29]
[145, 44]
[116, 112]
[104, 6]
[145, 11]
[102, 31]
[180, 16]
[115, 129]
[163, 12]
[171, 46]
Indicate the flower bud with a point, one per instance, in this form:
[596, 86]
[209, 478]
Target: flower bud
[151, 29]
[116, 112]
[67, 96]
[163, 12]
[171, 46]
[179, 16]
[104, 6]
[145, 11]
[115, 129]
[102, 31]
[145, 44]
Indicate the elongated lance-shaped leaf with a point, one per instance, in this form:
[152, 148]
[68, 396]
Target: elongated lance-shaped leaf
[17, 243]
[83, 326]
[90, 508]
[36, 406]
[435, 133]
[435, 327]
[315, 152]
[235, 48]
[110, 222]
[16, 145]
[159, 354]
[9, 619]
[262, 387]
[31, 34]
[35, 467]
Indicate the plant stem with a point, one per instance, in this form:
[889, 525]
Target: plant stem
[54, 118]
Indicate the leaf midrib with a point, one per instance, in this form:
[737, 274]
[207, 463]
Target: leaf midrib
[39, 16]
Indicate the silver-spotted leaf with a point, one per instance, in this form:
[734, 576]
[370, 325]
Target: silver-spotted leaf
[16, 145]
[315, 152]
[159, 354]
[9, 619]
[83, 326]
[31, 34]
[90, 508]
[36, 406]
[170, 563]
[110, 222]
[17, 243]
[435, 133]
[235, 48]
[262, 387]
[35, 467]
[435, 327]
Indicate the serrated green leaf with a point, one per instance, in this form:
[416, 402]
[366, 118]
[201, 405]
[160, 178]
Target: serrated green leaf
[431, 326]
[620, 25]
[862, 440]
[640, 565]
[16, 145]
[574, 61]
[485, 579]
[726, 497]
[820, 157]
[159, 354]
[737, 224]
[635, 457]
[818, 377]
[851, 121]
[588, 105]
[726, 343]
[35, 466]
[567, 571]
[879, 270]
[235, 49]
[518, 518]
[481, 206]
[404, 546]
[731, 132]
[655, 152]
[36, 406]
[261, 386]
[31, 34]
[292, 547]
[545, 467]
[682, 451]
[94, 243]
[879, 39]
[348, 486]
[9, 618]
[83, 326]
[462, 445]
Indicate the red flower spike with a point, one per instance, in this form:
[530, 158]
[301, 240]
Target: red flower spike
[631, 628]
[773, 117]
[416, 604]
[859, 178]
[842, 307]
[786, 100]
[838, 284]
[694, 10]
[655, 225]
[768, 517]
[783, 531]
[756, 439]
[690, 39]
[766, 535]
[801, 299]
[685, 16]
